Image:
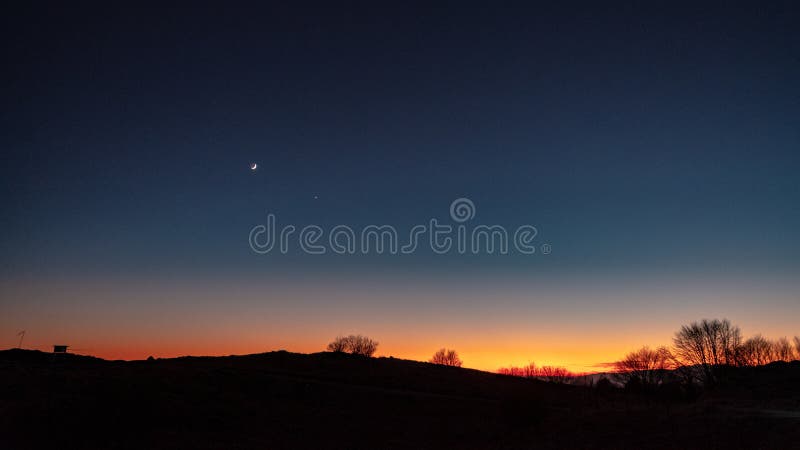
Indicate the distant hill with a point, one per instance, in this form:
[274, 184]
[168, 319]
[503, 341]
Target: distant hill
[327, 400]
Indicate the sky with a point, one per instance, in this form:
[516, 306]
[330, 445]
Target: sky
[653, 147]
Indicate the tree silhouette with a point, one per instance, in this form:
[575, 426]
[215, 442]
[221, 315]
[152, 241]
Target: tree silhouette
[530, 371]
[511, 371]
[797, 347]
[756, 351]
[554, 374]
[446, 357]
[362, 345]
[707, 344]
[782, 350]
[355, 344]
[645, 366]
[338, 345]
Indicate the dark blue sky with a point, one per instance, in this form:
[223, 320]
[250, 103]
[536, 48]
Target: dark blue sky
[654, 147]
[632, 137]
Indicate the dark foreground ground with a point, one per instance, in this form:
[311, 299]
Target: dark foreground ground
[318, 401]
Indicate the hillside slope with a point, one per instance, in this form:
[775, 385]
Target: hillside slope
[325, 400]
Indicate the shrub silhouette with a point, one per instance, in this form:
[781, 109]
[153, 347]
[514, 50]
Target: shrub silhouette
[354, 344]
[446, 357]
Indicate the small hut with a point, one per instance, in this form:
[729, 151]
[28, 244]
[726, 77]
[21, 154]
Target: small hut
[60, 348]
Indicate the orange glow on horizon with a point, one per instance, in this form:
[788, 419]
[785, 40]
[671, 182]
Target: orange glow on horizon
[522, 324]
[577, 355]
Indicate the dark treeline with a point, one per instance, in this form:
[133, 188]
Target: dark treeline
[552, 374]
[700, 355]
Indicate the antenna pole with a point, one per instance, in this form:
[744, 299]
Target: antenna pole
[21, 335]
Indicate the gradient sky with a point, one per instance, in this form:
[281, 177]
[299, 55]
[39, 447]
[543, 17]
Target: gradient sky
[655, 148]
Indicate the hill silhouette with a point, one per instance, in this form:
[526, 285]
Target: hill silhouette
[333, 400]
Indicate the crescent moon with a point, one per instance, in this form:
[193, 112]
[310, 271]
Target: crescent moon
[253, 166]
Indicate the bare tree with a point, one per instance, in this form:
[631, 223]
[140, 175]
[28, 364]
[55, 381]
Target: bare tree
[756, 351]
[511, 371]
[797, 347]
[646, 366]
[362, 345]
[355, 344]
[529, 371]
[338, 345]
[446, 357]
[707, 344]
[554, 374]
[782, 350]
